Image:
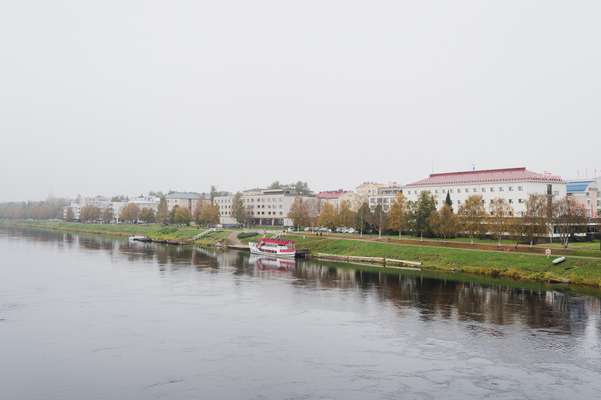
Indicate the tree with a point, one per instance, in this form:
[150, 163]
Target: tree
[569, 217]
[346, 217]
[380, 219]
[181, 216]
[299, 213]
[448, 201]
[108, 215]
[500, 221]
[89, 214]
[364, 219]
[399, 216]
[162, 216]
[444, 222]
[130, 213]
[239, 209]
[70, 216]
[147, 215]
[472, 214]
[425, 206]
[535, 222]
[327, 216]
[275, 185]
[197, 215]
[209, 214]
[302, 188]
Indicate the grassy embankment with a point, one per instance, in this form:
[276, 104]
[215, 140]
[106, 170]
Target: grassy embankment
[578, 270]
[180, 234]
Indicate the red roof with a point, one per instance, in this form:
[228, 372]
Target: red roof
[276, 241]
[486, 176]
[332, 194]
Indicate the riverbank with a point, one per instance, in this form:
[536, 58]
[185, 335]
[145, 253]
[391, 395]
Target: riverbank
[514, 265]
[155, 232]
[575, 270]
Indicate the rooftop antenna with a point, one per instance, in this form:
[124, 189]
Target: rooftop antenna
[473, 166]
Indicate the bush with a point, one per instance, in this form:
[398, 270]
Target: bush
[243, 235]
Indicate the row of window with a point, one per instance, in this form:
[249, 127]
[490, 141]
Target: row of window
[491, 189]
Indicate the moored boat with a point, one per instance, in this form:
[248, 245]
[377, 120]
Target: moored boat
[273, 247]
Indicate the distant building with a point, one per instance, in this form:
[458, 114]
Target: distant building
[265, 207]
[189, 200]
[76, 205]
[367, 189]
[586, 193]
[384, 196]
[224, 203]
[512, 184]
[332, 197]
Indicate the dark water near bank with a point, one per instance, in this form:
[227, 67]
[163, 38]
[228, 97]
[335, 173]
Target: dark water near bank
[85, 317]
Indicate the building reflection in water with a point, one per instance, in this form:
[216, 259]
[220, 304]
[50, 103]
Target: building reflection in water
[433, 296]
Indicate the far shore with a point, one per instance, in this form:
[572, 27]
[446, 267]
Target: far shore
[432, 255]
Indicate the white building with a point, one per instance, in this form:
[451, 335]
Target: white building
[384, 196]
[512, 184]
[189, 200]
[264, 207]
[76, 205]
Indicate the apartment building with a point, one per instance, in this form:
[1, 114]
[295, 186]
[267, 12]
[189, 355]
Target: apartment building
[189, 200]
[265, 207]
[586, 194]
[512, 184]
[384, 196]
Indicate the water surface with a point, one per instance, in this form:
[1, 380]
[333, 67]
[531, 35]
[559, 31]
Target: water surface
[87, 317]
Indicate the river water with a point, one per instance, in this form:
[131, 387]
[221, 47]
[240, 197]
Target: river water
[86, 317]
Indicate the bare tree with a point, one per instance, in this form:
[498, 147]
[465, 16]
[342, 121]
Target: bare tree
[500, 220]
[569, 217]
[472, 214]
[535, 222]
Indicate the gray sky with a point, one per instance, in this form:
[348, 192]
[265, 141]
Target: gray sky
[127, 96]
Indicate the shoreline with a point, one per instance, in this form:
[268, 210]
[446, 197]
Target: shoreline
[578, 271]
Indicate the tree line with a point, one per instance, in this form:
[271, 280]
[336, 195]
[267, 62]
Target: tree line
[421, 218]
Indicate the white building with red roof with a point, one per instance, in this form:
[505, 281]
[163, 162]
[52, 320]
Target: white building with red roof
[512, 184]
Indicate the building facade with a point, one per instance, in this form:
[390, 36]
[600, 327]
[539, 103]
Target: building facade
[384, 196]
[265, 207]
[189, 200]
[586, 194]
[514, 185]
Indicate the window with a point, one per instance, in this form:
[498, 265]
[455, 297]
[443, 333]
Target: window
[510, 201]
[500, 189]
[520, 201]
[492, 189]
[444, 190]
[450, 190]
[483, 190]
[520, 189]
[458, 190]
[510, 188]
[475, 190]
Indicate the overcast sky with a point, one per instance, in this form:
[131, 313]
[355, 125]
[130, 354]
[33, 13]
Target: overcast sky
[128, 96]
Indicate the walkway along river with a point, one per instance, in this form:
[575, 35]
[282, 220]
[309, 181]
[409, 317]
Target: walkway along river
[89, 317]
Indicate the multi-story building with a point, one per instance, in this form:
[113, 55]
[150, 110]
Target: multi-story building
[189, 200]
[367, 189]
[384, 196]
[225, 203]
[265, 207]
[512, 184]
[586, 194]
[76, 205]
[332, 197]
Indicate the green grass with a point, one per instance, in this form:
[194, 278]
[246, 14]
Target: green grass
[514, 265]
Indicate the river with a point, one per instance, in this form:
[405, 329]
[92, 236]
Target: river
[90, 317]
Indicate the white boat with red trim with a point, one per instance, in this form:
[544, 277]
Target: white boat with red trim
[273, 247]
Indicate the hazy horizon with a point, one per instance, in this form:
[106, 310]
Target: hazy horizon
[131, 96]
